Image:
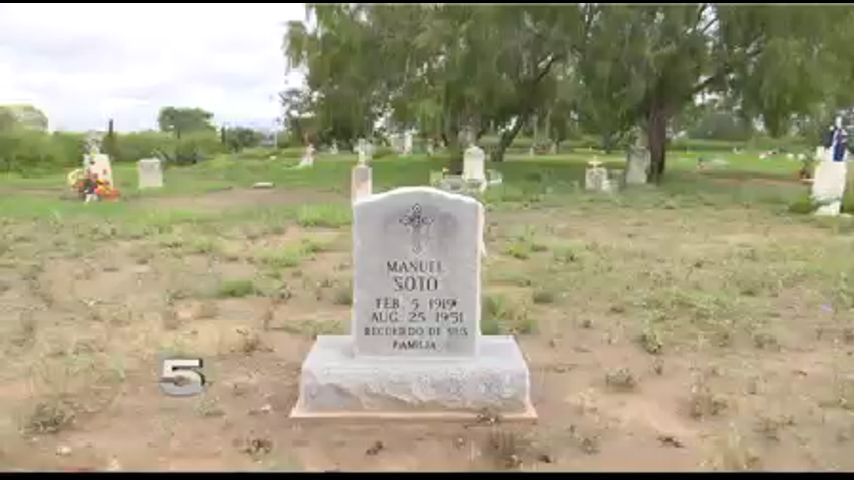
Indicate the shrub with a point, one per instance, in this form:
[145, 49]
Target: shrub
[196, 147]
[27, 151]
[133, 147]
[381, 152]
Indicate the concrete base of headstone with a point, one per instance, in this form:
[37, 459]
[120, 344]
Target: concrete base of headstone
[336, 384]
[452, 183]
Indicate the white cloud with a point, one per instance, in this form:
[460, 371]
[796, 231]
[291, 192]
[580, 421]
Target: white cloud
[83, 64]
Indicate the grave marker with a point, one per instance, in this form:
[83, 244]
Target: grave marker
[99, 164]
[828, 186]
[150, 173]
[637, 166]
[307, 159]
[360, 182]
[415, 349]
[474, 160]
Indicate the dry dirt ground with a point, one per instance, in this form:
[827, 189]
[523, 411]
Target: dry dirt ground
[678, 338]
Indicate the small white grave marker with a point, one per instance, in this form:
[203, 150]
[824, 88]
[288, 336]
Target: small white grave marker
[150, 173]
[474, 160]
[308, 157]
[360, 182]
[595, 176]
[407, 143]
[828, 187]
[637, 166]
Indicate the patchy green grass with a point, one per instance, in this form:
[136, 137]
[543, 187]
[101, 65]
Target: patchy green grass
[707, 268]
[290, 256]
[310, 328]
[324, 215]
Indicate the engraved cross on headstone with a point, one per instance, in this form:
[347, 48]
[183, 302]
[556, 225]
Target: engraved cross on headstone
[416, 220]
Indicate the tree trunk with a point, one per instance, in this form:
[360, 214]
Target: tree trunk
[506, 139]
[607, 142]
[656, 132]
[548, 127]
[536, 133]
[451, 135]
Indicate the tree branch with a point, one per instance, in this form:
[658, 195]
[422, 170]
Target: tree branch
[545, 70]
[727, 67]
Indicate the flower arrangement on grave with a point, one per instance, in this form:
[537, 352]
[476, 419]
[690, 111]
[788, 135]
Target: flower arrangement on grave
[89, 187]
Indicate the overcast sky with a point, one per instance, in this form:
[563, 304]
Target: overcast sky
[83, 64]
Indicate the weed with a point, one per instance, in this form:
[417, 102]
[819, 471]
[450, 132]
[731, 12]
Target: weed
[236, 288]
[765, 341]
[506, 448]
[250, 342]
[50, 416]
[542, 296]
[650, 339]
[524, 245]
[311, 328]
[27, 330]
[538, 247]
[589, 444]
[343, 295]
[502, 314]
[734, 455]
[565, 255]
[770, 426]
[289, 256]
[803, 205]
[704, 403]
[202, 246]
[207, 309]
[621, 380]
[515, 278]
[170, 320]
[142, 255]
[309, 246]
[843, 388]
[519, 250]
[175, 294]
[171, 241]
[208, 406]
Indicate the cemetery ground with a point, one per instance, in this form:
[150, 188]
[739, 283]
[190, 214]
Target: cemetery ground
[695, 325]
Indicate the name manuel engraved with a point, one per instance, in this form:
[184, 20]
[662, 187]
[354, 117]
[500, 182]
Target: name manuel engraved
[419, 275]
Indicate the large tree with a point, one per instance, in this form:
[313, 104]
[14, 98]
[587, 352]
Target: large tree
[445, 69]
[22, 116]
[773, 61]
[343, 74]
[184, 120]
